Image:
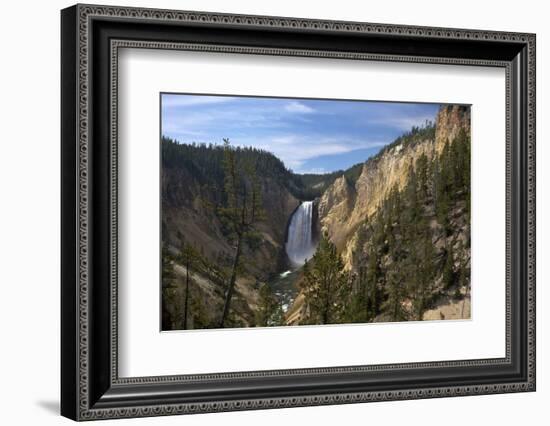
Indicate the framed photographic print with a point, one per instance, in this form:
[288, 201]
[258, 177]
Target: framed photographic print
[263, 212]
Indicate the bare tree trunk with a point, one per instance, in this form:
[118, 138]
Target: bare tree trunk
[186, 303]
[229, 293]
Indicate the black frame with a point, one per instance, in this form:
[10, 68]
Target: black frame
[90, 386]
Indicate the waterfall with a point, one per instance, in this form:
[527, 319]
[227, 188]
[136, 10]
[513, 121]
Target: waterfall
[299, 244]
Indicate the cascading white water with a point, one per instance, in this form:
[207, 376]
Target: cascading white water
[299, 244]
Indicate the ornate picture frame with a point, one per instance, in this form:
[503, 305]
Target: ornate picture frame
[91, 37]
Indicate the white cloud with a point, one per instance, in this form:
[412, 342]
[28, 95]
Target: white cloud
[174, 101]
[295, 150]
[314, 171]
[299, 108]
[273, 126]
[404, 123]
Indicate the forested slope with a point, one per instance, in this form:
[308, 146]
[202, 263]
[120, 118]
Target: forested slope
[400, 231]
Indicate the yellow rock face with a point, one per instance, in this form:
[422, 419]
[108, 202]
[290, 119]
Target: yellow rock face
[450, 119]
[344, 206]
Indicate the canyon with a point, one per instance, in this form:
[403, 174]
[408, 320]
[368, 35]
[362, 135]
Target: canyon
[341, 206]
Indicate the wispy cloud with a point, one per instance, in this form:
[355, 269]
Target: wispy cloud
[175, 101]
[403, 123]
[305, 134]
[299, 108]
[296, 150]
[314, 171]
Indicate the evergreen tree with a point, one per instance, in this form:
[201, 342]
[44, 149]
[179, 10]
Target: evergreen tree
[199, 314]
[269, 311]
[372, 277]
[442, 190]
[394, 302]
[188, 257]
[425, 275]
[168, 289]
[463, 270]
[448, 268]
[324, 283]
[422, 171]
[360, 309]
[396, 276]
[242, 211]
[412, 196]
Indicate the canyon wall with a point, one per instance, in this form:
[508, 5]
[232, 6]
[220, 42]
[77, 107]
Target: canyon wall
[344, 205]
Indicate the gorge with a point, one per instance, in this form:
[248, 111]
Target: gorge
[398, 223]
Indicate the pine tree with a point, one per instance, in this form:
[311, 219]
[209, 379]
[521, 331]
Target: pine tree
[425, 275]
[357, 308]
[463, 272]
[372, 277]
[395, 287]
[448, 268]
[242, 211]
[325, 284]
[412, 196]
[269, 311]
[199, 314]
[188, 257]
[168, 289]
[422, 176]
[396, 275]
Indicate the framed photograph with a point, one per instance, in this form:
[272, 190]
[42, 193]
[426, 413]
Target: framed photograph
[263, 212]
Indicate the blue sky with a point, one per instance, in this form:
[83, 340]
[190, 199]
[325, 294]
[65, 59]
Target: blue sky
[309, 136]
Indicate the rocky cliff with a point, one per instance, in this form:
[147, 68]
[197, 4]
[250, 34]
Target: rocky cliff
[410, 199]
[192, 194]
[344, 205]
[398, 224]
[450, 119]
[192, 216]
